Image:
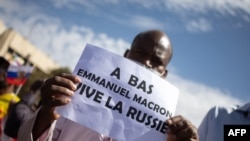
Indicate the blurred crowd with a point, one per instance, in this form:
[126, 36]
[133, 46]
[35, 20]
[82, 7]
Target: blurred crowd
[15, 109]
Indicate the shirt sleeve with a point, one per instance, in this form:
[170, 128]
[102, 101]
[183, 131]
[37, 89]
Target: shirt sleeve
[203, 128]
[25, 131]
[48, 134]
[61, 129]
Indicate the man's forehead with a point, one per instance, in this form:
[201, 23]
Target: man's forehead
[164, 42]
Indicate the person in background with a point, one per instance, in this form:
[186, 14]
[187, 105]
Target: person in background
[23, 110]
[4, 64]
[7, 96]
[151, 48]
[212, 126]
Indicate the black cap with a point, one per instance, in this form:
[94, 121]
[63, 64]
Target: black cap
[4, 64]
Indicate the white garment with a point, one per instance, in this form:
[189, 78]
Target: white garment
[212, 126]
[61, 130]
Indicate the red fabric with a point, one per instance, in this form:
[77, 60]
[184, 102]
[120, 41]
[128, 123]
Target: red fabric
[16, 81]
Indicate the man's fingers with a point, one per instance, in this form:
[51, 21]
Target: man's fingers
[177, 123]
[187, 134]
[58, 101]
[71, 77]
[58, 90]
[181, 129]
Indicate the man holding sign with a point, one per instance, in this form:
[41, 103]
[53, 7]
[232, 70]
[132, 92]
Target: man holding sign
[151, 49]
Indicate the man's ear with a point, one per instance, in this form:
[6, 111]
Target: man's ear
[126, 53]
[165, 74]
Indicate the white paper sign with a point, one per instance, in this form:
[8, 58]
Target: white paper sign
[119, 98]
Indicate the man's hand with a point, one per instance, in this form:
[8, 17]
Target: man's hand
[180, 129]
[58, 90]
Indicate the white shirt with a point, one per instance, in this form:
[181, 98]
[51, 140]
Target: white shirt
[212, 126]
[61, 130]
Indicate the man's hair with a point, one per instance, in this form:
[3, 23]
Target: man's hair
[3, 78]
[4, 64]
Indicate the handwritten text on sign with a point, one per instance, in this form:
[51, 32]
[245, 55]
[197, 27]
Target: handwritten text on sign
[119, 98]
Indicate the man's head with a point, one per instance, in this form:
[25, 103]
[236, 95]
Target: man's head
[4, 65]
[153, 49]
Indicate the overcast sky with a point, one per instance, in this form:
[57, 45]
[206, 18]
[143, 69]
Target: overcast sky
[211, 40]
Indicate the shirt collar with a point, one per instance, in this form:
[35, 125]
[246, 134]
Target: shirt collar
[244, 108]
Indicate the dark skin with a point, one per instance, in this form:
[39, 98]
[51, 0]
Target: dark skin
[152, 49]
